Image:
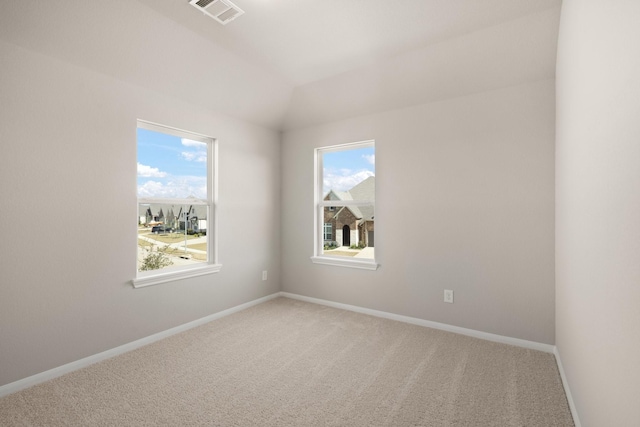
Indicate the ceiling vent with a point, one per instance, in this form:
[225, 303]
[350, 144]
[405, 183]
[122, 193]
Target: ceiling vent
[222, 11]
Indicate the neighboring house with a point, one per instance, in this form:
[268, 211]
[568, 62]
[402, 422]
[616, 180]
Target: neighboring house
[145, 216]
[350, 225]
[196, 218]
[155, 214]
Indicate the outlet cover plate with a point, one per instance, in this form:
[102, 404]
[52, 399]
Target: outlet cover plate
[448, 296]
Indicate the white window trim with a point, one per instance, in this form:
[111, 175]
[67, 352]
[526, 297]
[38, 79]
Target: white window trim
[185, 272]
[318, 216]
[170, 274]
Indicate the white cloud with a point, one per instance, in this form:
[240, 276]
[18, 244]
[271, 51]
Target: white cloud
[179, 187]
[191, 143]
[371, 158]
[151, 189]
[199, 156]
[345, 180]
[149, 172]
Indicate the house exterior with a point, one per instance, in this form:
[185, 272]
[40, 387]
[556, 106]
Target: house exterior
[154, 214]
[350, 225]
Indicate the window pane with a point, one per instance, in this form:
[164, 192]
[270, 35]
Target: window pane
[328, 232]
[171, 235]
[349, 174]
[170, 166]
[352, 231]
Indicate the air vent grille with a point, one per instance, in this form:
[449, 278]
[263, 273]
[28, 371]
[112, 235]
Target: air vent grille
[204, 3]
[222, 11]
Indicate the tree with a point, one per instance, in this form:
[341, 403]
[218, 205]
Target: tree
[155, 260]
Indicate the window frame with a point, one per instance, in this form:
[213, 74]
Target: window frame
[319, 204]
[170, 274]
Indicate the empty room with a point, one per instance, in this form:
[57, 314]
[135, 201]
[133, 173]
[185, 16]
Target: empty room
[320, 213]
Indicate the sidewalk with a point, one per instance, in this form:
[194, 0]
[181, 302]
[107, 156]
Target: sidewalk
[365, 253]
[359, 253]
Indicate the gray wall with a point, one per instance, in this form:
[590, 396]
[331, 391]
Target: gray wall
[465, 201]
[68, 191]
[598, 209]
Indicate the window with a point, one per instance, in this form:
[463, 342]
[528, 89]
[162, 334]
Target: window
[345, 205]
[176, 210]
[328, 234]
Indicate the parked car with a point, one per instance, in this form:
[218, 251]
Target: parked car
[160, 229]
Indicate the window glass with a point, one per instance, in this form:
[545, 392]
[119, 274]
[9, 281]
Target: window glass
[345, 195]
[175, 199]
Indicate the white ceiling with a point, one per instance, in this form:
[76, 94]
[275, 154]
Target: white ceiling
[283, 60]
[309, 40]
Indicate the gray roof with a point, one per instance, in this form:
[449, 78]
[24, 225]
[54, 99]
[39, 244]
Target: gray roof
[365, 190]
[338, 195]
[167, 209]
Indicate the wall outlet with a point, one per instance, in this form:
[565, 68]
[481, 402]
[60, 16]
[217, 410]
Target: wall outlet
[448, 296]
[264, 275]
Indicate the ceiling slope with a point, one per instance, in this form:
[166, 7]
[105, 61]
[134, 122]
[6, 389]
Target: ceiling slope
[310, 40]
[343, 58]
[508, 54]
[129, 41]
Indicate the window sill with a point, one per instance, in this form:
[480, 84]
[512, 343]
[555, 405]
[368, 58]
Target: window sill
[350, 263]
[170, 276]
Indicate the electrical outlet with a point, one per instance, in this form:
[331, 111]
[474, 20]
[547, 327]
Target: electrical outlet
[448, 296]
[264, 275]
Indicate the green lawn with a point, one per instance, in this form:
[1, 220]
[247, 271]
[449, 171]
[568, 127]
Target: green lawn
[198, 246]
[143, 243]
[170, 238]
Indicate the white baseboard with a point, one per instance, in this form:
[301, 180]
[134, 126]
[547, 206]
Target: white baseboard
[90, 360]
[567, 390]
[547, 348]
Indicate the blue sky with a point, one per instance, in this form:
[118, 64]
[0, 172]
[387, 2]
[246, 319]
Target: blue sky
[174, 167]
[170, 166]
[342, 170]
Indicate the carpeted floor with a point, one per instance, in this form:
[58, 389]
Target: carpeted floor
[291, 363]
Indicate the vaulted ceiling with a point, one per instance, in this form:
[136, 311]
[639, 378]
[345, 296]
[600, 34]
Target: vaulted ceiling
[291, 63]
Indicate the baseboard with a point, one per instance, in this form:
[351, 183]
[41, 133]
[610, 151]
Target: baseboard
[547, 348]
[567, 390]
[90, 360]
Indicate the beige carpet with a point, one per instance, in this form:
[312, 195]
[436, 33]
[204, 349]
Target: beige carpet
[290, 363]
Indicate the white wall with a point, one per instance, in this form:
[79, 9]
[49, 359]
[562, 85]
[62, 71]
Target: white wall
[598, 208]
[68, 191]
[465, 201]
